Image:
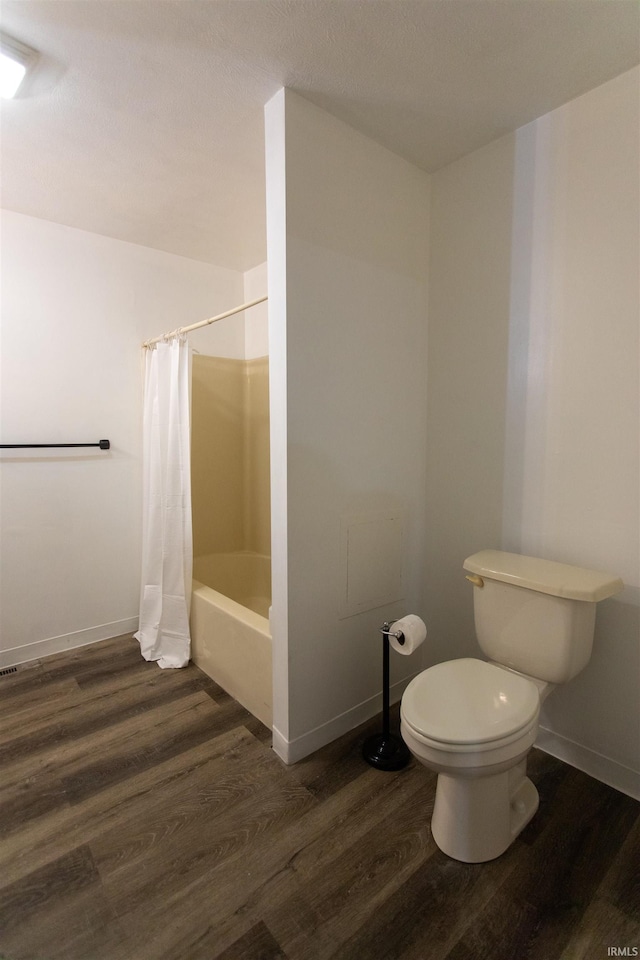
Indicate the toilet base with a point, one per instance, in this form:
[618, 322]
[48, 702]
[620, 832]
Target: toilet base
[477, 819]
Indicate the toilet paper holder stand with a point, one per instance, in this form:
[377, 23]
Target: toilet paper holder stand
[386, 750]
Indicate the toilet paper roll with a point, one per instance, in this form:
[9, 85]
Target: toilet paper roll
[413, 630]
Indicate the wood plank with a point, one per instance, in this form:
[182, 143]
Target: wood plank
[60, 913]
[258, 942]
[59, 833]
[192, 816]
[146, 818]
[621, 885]
[23, 706]
[72, 711]
[140, 897]
[91, 763]
[601, 927]
[427, 914]
[276, 861]
[28, 678]
[350, 892]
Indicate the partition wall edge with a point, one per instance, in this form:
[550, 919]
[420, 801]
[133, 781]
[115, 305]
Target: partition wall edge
[274, 115]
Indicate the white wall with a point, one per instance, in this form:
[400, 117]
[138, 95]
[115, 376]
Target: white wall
[467, 371]
[256, 320]
[572, 478]
[75, 308]
[533, 392]
[347, 253]
[224, 338]
[244, 336]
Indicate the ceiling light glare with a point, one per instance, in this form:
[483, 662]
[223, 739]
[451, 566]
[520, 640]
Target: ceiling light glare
[15, 60]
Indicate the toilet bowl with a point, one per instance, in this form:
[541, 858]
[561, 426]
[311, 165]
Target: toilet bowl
[474, 721]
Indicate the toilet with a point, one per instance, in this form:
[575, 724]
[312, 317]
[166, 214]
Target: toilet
[473, 721]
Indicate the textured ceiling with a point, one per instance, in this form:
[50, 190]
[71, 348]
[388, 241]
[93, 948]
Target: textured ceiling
[144, 120]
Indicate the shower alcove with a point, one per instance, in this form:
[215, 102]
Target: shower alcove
[231, 596]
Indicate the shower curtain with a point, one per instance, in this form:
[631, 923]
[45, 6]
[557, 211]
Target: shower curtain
[167, 555]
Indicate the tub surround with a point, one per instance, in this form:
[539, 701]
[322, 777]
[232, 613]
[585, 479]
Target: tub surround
[230, 455]
[230, 631]
[243, 577]
[230, 634]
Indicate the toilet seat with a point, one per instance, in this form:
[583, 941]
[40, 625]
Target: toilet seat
[469, 706]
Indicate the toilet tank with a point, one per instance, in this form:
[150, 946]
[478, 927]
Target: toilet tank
[536, 616]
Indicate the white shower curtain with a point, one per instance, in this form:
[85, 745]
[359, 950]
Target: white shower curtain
[167, 555]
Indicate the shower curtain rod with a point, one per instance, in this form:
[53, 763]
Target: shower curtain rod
[204, 323]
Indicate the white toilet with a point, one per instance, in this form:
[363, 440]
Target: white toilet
[473, 722]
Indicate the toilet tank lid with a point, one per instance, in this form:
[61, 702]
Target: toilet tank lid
[545, 576]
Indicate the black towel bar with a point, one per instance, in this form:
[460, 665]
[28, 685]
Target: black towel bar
[103, 444]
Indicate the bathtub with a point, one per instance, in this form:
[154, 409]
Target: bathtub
[230, 635]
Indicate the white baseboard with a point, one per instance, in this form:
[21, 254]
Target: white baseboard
[608, 771]
[290, 751]
[80, 638]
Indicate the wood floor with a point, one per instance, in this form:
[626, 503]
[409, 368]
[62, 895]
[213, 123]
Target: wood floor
[144, 816]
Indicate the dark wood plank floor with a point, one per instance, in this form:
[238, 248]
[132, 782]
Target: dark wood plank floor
[144, 816]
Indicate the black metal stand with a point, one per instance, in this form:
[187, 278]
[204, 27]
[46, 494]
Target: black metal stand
[386, 751]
